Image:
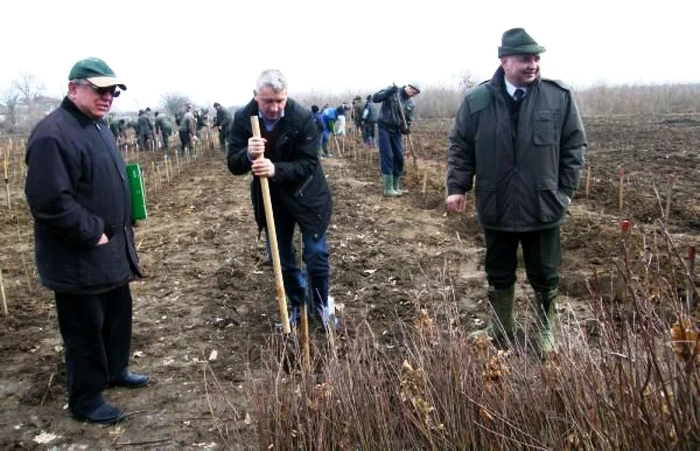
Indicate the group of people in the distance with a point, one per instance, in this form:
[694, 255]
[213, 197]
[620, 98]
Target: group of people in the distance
[153, 131]
[519, 135]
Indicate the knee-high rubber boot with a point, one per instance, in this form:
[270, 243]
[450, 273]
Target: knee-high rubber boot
[396, 183]
[501, 323]
[389, 186]
[546, 320]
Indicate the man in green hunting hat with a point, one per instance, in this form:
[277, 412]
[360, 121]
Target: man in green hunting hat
[527, 164]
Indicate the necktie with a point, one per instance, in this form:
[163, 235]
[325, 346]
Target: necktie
[518, 95]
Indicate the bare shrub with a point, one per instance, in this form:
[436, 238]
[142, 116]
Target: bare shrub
[618, 382]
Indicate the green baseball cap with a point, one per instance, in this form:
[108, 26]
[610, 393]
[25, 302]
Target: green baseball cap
[96, 72]
[516, 41]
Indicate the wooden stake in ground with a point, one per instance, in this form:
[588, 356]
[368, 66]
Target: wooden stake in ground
[690, 285]
[2, 291]
[167, 173]
[272, 235]
[7, 179]
[620, 286]
[669, 194]
[588, 180]
[621, 174]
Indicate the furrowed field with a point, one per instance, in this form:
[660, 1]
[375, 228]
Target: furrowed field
[408, 281]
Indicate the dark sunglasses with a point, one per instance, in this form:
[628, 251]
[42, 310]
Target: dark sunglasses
[102, 91]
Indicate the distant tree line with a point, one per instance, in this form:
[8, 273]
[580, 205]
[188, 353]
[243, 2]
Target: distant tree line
[23, 103]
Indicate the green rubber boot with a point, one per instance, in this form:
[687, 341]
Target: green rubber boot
[546, 320]
[389, 186]
[396, 180]
[501, 325]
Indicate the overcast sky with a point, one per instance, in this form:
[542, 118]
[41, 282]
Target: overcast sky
[214, 50]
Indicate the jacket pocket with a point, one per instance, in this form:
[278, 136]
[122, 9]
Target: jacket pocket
[487, 201]
[543, 128]
[551, 204]
[105, 264]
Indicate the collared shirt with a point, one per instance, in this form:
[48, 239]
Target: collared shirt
[510, 87]
[269, 124]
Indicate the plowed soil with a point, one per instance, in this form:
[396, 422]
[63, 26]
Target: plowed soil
[207, 288]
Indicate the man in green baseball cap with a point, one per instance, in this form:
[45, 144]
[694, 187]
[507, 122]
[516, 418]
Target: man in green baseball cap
[84, 241]
[526, 163]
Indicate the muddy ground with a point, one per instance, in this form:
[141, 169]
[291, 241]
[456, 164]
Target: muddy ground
[206, 287]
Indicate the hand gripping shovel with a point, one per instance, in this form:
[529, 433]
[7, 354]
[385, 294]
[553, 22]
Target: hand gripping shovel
[277, 267]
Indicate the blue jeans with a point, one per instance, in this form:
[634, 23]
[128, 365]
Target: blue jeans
[315, 256]
[390, 152]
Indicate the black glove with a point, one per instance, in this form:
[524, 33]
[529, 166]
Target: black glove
[405, 131]
[393, 90]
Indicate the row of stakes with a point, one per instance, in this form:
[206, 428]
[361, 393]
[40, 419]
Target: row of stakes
[167, 169]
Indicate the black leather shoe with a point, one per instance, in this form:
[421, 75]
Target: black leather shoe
[130, 380]
[104, 414]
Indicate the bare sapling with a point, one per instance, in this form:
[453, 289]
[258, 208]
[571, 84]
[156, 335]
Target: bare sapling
[304, 314]
[425, 181]
[690, 284]
[2, 292]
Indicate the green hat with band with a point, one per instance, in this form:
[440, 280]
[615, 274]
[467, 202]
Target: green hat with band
[516, 41]
[96, 72]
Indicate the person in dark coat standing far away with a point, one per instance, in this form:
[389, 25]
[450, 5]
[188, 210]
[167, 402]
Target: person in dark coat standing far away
[521, 137]
[395, 117]
[79, 196]
[300, 195]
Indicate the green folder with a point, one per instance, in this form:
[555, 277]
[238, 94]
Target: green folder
[138, 192]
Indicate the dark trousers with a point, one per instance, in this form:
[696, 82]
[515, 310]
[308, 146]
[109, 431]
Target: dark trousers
[165, 134]
[315, 256]
[223, 136]
[390, 152]
[145, 142]
[96, 331]
[185, 142]
[541, 252]
[368, 133]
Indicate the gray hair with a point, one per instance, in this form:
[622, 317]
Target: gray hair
[272, 78]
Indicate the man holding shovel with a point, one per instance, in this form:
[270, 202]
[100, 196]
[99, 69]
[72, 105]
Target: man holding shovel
[395, 116]
[521, 137]
[287, 155]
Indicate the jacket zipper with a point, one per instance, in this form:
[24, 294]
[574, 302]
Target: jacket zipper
[301, 194]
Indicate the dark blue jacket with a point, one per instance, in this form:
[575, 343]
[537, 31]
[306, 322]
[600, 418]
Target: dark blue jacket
[77, 190]
[299, 185]
[390, 112]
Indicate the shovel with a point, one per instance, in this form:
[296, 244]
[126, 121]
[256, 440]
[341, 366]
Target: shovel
[405, 126]
[276, 265]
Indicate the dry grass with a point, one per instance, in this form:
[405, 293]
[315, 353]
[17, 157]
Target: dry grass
[627, 380]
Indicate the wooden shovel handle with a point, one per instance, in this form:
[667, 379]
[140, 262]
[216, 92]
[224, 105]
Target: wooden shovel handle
[272, 236]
